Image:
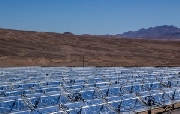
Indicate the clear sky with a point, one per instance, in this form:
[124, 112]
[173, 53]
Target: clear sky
[88, 16]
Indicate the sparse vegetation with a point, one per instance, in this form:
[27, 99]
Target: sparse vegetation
[23, 48]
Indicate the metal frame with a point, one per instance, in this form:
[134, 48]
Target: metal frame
[69, 90]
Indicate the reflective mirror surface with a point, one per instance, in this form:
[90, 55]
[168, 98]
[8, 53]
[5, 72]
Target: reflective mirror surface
[88, 90]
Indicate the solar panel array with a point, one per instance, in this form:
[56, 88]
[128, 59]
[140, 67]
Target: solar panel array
[91, 90]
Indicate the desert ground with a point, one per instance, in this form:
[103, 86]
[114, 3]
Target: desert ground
[29, 48]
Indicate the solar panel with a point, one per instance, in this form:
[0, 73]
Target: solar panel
[92, 90]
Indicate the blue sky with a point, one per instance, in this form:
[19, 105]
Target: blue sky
[88, 16]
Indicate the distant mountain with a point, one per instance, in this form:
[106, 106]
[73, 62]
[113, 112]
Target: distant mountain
[161, 32]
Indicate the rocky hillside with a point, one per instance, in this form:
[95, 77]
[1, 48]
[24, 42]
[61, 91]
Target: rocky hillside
[28, 48]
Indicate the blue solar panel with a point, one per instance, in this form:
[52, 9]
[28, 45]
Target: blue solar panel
[92, 90]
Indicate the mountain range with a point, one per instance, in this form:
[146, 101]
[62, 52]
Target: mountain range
[158, 32]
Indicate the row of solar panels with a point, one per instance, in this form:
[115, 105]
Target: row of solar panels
[117, 88]
[87, 78]
[75, 103]
[87, 90]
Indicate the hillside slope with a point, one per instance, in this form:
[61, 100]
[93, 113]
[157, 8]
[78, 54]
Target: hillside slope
[27, 48]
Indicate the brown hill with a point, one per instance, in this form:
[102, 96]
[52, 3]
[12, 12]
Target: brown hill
[27, 48]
